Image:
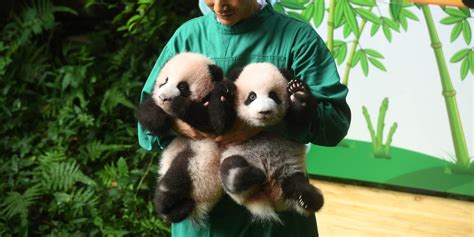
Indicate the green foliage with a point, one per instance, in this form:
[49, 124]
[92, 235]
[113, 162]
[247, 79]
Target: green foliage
[70, 80]
[459, 18]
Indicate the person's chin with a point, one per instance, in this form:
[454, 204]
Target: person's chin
[227, 20]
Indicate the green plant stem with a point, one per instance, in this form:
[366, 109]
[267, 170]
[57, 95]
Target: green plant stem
[449, 94]
[345, 79]
[388, 143]
[381, 121]
[370, 127]
[332, 8]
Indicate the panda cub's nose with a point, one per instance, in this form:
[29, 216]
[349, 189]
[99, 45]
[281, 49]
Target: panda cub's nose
[164, 99]
[265, 112]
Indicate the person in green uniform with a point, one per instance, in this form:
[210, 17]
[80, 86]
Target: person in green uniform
[237, 33]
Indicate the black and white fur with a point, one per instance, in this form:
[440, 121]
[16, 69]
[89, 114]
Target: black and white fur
[189, 87]
[267, 173]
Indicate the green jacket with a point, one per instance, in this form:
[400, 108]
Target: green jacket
[265, 37]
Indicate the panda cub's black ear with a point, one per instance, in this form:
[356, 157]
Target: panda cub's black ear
[234, 73]
[216, 73]
[287, 74]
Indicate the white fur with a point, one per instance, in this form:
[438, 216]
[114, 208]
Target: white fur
[189, 67]
[261, 78]
[204, 173]
[267, 152]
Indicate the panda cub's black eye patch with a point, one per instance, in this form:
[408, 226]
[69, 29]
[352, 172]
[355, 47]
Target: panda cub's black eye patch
[184, 89]
[273, 95]
[252, 96]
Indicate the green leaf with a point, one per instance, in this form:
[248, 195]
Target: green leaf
[466, 32]
[466, 11]
[392, 24]
[364, 64]
[458, 56]
[403, 22]
[409, 14]
[341, 53]
[387, 32]
[449, 20]
[318, 13]
[346, 30]
[456, 31]
[338, 12]
[464, 68]
[395, 9]
[62, 197]
[368, 15]
[279, 8]
[373, 53]
[293, 4]
[65, 9]
[351, 19]
[356, 58]
[122, 167]
[455, 12]
[377, 64]
[374, 29]
[307, 13]
[471, 61]
[364, 3]
[296, 16]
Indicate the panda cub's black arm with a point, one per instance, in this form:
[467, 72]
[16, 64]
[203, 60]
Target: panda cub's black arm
[196, 115]
[153, 118]
[218, 115]
[222, 113]
[302, 105]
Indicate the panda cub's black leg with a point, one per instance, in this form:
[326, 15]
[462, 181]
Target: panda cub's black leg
[302, 104]
[297, 188]
[238, 175]
[173, 193]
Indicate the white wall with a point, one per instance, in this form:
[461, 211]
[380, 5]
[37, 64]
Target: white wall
[413, 86]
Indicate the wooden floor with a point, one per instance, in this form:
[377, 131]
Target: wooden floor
[360, 211]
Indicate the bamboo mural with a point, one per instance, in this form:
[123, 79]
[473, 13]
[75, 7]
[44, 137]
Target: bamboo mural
[449, 94]
[345, 78]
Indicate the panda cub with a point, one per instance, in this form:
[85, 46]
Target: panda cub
[190, 87]
[266, 174]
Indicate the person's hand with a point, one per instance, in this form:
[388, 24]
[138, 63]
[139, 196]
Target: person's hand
[238, 133]
[186, 130]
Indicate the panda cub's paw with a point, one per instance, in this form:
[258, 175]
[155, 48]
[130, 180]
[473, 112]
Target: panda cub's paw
[221, 106]
[300, 95]
[310, 198]
[173, 207]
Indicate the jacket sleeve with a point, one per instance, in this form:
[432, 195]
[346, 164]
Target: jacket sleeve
[313, 63]
[147, 140]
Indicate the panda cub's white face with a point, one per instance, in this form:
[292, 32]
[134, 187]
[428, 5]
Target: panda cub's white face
[262, 97]
[185, 76]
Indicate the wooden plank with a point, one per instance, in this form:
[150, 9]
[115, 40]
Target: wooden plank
[351, 210]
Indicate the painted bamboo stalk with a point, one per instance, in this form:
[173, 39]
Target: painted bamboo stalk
[449, 94]
[345, 79]
[332, 8]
